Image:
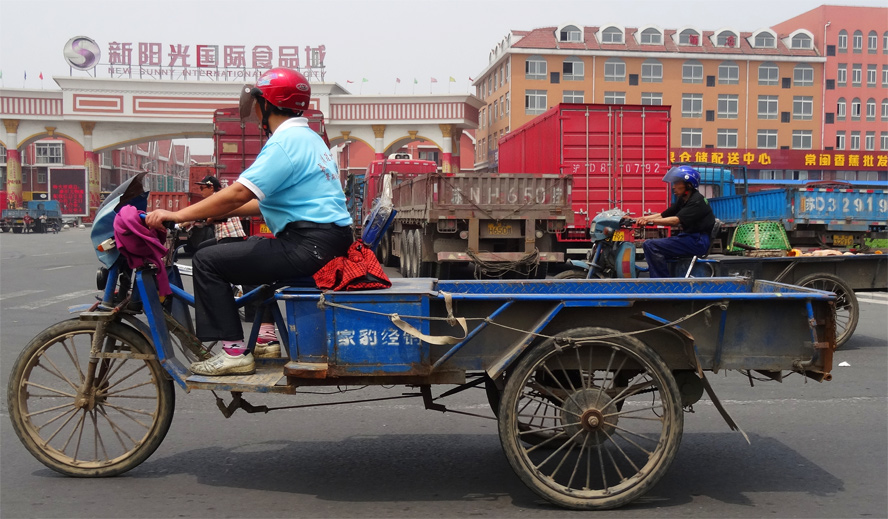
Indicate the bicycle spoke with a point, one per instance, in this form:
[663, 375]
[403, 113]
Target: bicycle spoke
[55, 373]
[563, 459]
[636, 388]
[566, 374]
[624, 413]
[80, 436]
[617, 445]
[61, 426]
[569, 395]
[577, 464]
[537, 446]
[74, 359]
[73, 409]
[532, 431]
[143, 366]
[124, 413]
[601, 462]
[115, 429]
[550, 404]
[62, 393]
[121, 409]
[580, 368]
[74, 430]
[98, 440]
[638, 435]
[570, 440]
[617, 372]
[606, 371]
[614, 463]
[119, 391]
[50, 409]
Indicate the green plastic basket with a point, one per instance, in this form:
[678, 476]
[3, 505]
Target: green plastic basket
[761, 235]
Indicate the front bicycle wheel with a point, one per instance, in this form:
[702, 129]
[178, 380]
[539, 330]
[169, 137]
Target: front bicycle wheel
[89, 430]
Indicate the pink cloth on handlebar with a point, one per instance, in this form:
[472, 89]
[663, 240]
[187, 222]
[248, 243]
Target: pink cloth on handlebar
[141, 245]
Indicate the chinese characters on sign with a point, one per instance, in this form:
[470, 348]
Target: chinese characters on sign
[784, 159]
[180, 61]
[68, 187]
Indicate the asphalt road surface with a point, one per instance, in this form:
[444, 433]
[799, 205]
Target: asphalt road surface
[818, 450]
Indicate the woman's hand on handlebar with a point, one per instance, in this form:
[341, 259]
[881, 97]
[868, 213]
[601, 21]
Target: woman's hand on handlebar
[156, 219]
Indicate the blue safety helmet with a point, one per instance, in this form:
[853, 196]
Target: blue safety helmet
[686, 174]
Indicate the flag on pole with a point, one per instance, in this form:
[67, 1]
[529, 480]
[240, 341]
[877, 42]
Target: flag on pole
[434, 80]
[349, 81]
[415, 81]
[397, 80]
[364, 80]
[470, 79]
[41, 76]
[452, 80]
[26, 74]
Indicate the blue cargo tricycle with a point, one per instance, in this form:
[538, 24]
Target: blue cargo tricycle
[588, 379]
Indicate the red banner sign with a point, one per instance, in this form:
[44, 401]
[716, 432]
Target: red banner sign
[69, 188]
[786, 159]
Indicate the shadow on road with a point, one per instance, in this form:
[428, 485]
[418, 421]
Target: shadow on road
[442, 468]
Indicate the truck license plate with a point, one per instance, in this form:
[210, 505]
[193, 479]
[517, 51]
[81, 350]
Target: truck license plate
[499, 229]
[619, 236]
[843, 240]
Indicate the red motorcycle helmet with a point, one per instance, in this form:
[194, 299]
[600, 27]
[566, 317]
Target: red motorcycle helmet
[283, 88]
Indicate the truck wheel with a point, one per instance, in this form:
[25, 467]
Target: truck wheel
[409, 252]
[100, 430]
[847, 307]
[384, 250]
[423, 268]
[402, 258]
[618, 421]
[17, 230]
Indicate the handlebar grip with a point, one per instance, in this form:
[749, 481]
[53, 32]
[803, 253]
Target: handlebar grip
[170, 225]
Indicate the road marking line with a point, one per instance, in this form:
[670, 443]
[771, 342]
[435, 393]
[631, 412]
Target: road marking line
[59, 268]
[19, 293]
[53, 300]
[877, 295]
[874, 301]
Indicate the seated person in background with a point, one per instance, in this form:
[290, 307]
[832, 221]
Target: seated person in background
[294, 185]
[691, 211]
[225, 230]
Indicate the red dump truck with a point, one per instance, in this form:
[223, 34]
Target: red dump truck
[503, 224]
[616, 154]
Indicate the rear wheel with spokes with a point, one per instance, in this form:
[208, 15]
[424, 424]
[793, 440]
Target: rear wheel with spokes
[84, 429]
[847, 307]
[610, 405]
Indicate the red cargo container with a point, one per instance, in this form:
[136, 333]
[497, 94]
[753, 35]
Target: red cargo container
[616, 154]
[169, 201]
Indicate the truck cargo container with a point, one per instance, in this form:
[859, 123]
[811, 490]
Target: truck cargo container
[617, 156]
[500, 223]
[44, 214]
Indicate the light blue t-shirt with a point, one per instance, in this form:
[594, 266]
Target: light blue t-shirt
[295, 179]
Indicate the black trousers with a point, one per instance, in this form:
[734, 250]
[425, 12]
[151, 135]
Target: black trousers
[294, 254]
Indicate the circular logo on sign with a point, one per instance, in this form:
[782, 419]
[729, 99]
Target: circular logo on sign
[82, 53]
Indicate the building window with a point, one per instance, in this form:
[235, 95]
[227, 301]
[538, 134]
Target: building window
[871, 76]
[856, 74]
[842, 74]
[612, 35]
[615, 70]
[692, 72]
[855, 109]
[508, 70]
[493, 112]
[689, 37]
[502, 107]
[692, 105]
[726, 39]
[884, 110]
[614, 98]
[652, 71]
[692, 137]
[871, 109]
[843, 41]
[2, 154]
[767, 107]
[571, 33]
[884, 76]
[651, 36]
[572, 69]
[801, 139]
[857, 42]
[573, 96]
[840, 109]
[803, 75]
[728, 106]
[802, 108]
[728, 73]
[49, 153]
[840, 140]
[883, 141]
[765, 40]
[767, 139]
[534, 102]
[726, 138]
[535, 68]
[652, 98]
[885, 46]
[769, 74]
[872, 42]
[855, 141]
[508, 103]
[869, 141]
[483, 117]
[801, 41]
